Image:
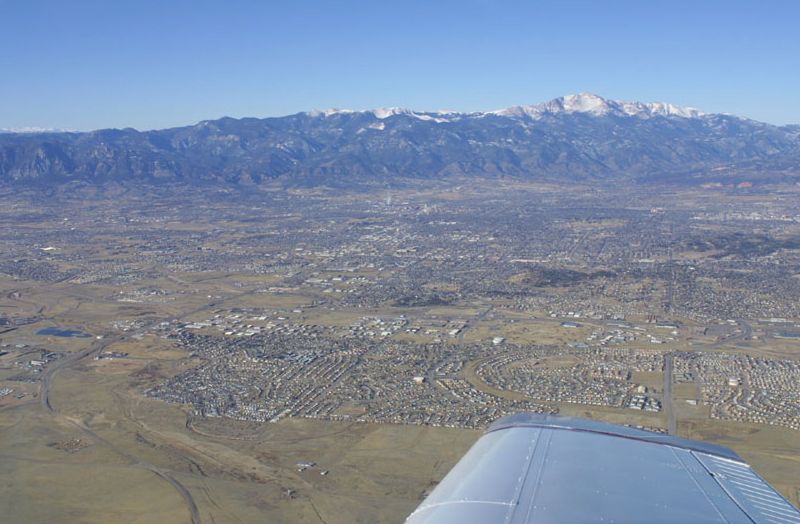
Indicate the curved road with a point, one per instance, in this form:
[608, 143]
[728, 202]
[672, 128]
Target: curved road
[51, 370]
[97, 347]
[180, 488]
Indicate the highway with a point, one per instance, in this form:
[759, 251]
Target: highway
[745, 334]
[51, 370]
[69, 360]
[180, 488]
[672, 424]
[98, 345]
[471, 322]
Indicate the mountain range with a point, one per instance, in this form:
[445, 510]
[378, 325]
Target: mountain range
[580, 137]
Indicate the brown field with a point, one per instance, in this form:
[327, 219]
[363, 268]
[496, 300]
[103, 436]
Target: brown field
[236, 472]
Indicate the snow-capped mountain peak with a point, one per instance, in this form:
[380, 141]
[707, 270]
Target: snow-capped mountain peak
[660, 108]
[582, 103]
[382, 113]
[329, 112]
[386, 112]
[598, 106]
[578, 137]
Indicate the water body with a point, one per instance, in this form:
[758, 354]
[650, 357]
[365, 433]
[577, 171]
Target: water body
[58, 332]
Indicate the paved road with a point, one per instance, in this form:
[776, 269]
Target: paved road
[51, 370]
[97, 346]
[471, 322]
[180, 488]
[670, 294]
[672, 423]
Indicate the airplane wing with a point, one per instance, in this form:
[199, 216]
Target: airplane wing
[532, 468]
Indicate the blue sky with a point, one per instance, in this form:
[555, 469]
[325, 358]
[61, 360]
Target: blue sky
[81, 64]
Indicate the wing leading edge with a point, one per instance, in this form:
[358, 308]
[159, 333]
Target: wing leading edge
[532, 468]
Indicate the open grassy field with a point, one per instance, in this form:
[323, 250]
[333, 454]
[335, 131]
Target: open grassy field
[236, 472]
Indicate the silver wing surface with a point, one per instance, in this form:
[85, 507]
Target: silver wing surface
[532, 468]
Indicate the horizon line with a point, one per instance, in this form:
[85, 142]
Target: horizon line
[36, 130]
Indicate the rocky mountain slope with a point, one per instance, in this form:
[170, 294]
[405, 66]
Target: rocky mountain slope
[577, 137]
